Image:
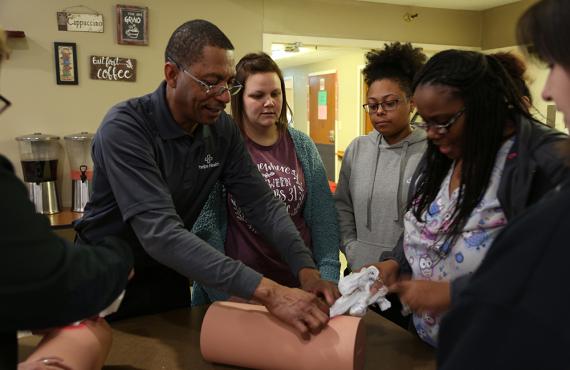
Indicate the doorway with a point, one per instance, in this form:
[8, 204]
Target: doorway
[366, 122]
[322, 116]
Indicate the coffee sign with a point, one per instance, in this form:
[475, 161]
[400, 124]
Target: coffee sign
[113, 68]
[76, 22]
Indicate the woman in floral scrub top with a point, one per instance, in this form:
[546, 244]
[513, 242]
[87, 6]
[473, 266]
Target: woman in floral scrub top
[487, 160]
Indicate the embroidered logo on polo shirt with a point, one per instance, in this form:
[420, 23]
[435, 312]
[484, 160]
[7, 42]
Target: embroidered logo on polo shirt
[208, 163]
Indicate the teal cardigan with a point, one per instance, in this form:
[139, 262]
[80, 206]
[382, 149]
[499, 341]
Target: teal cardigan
[319, 213]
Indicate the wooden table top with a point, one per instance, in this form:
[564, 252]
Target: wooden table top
[171, 341]
[64, 218]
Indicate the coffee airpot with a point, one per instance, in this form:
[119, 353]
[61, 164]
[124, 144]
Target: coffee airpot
[39, 158]
[79, 153]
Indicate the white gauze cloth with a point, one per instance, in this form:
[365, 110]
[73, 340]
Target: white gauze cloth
[356, 296]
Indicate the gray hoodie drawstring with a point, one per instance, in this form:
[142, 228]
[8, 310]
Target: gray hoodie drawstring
[403, 162]
[369, 205]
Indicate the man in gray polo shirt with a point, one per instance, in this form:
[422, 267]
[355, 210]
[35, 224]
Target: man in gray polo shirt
[156, 159]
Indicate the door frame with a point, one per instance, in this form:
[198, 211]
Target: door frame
[320, 73]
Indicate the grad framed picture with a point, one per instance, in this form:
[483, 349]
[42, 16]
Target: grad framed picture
[66, 63]
[132, 25]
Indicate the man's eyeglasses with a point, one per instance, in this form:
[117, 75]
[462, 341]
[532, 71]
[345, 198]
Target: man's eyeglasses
[441, 128]
[4, 103]
[387, 106]
[215, 89]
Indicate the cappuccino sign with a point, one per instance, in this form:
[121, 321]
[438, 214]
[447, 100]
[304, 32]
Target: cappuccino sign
[113, 68]
[76, 22]
[132, 25]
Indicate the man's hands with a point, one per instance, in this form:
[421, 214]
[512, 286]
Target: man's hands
[301, 309]
[295, 307]
[424, 296]
[311, 282]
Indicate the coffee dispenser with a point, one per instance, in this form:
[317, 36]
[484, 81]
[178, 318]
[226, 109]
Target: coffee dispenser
[79, 153]
[39, 157]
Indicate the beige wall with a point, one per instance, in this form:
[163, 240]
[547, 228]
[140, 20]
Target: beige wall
[28, 78]
[371, 21]
[40, 105]
[499, 24]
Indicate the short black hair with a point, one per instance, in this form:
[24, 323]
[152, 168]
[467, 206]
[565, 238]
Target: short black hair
[397, 61]
[188, 41]
[544, 33]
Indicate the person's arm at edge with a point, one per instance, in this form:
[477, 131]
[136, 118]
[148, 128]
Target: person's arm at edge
[78, 282]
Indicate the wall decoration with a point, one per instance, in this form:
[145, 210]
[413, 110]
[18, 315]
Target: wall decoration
[113, 68]
[79, 22]
[132, 25]
[66, 63]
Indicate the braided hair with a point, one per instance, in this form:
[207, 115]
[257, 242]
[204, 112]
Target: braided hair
[491, 100]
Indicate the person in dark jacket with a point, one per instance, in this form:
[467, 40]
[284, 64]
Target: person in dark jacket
[512, 313]
[45, 281]
[487, 161]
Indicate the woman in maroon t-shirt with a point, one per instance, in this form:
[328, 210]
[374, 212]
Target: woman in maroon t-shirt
[293, 169]
[261, 113]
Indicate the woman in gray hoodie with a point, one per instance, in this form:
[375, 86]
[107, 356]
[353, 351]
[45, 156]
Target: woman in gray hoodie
[371, 195]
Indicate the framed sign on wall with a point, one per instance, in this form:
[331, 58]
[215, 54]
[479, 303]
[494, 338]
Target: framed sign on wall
[113, 68]
[78, 22]
[66, 63]
[132, 25]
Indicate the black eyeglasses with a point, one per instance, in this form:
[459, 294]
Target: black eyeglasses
[216, 89]
[442, 128]
[4, 103]
[387, 106]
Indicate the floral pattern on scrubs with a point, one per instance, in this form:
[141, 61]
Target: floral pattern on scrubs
[433, 257]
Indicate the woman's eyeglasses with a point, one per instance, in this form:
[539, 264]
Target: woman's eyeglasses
[442, 128]
[387, 106]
